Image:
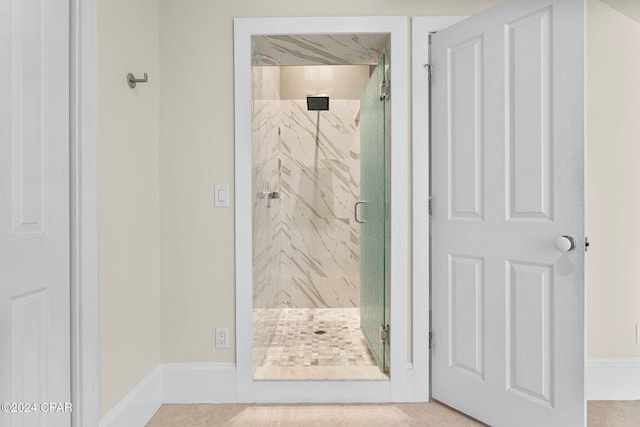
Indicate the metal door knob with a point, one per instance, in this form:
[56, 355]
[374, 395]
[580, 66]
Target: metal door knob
[565, 243]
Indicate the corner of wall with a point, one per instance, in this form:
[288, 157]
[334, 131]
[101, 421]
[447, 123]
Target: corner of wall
[613, 202]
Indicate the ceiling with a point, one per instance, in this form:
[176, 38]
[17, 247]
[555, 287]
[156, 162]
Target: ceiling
[318, 49]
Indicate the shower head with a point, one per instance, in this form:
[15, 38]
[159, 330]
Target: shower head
[317, 102]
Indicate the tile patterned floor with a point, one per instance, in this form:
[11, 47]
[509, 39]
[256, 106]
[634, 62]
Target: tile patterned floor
[296, 341]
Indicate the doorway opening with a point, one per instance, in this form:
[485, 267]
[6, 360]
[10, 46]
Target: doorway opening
[319, 144]
[407, 345]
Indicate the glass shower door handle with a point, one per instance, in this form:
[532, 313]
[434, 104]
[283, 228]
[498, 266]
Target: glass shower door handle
[355, 212]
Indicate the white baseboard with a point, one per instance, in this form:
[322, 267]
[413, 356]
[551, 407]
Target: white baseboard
[139, 405]
[173, 383]
[199, 383]
[613, 379]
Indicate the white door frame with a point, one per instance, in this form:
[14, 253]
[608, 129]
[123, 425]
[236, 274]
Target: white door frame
[421, 27]
[85, 347]
[409, 381]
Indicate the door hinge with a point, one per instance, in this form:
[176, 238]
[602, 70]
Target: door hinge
[430, 339]
[384, 333]
[384, 91]
[586, 244]
[430, 206]
[429, 70]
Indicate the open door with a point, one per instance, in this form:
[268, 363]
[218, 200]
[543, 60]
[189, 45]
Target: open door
[508, 214]
[370, 213]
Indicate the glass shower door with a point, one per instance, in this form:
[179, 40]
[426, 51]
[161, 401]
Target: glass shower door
[370, 213]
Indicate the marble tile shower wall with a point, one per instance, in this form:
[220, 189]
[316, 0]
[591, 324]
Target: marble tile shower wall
[266, 221]
[306, 245]
[320, 154]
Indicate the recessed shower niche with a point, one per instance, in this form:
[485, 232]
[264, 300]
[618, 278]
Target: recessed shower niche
[320, 135]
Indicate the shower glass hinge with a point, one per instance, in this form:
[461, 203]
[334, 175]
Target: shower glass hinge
[430, 206]
[384, 91]
[430, 339]
[384, 334]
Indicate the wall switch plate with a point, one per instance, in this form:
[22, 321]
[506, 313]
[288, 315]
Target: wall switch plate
[222, 337]
[221, 195]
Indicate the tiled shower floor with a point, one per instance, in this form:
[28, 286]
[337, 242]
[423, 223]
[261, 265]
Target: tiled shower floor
[300, 349]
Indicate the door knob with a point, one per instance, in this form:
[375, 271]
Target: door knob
[565, 243]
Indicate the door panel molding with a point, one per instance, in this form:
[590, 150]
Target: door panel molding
[529, 112]
[465, 133]
[466, 305]
[530, 330]
[28, 122]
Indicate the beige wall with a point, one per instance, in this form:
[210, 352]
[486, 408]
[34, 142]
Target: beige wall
[338, 81]
[128, 195]
[613, 174]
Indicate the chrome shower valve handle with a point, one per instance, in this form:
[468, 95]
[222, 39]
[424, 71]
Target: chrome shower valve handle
[267, 195]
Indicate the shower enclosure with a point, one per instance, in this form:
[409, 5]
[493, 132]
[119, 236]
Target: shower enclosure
[319, 226]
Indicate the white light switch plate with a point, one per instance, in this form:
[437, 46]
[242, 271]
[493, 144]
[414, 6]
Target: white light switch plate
[221, 195]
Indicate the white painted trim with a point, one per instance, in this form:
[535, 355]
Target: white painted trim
[318, 391]
[420, 28]
[408, 382]
[613, 379]
[139, 405]
[199, 383]
[242, 204]
[403, 381]
[189, 383]
[85, 348]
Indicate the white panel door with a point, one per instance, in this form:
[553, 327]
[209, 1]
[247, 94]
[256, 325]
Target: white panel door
[34, 212]
[508, 180]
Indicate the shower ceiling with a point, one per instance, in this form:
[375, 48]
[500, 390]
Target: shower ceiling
[318, 49]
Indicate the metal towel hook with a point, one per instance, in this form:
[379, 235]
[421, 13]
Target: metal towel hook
[131, 79]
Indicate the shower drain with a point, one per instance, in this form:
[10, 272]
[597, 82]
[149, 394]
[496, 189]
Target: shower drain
[320, 332]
